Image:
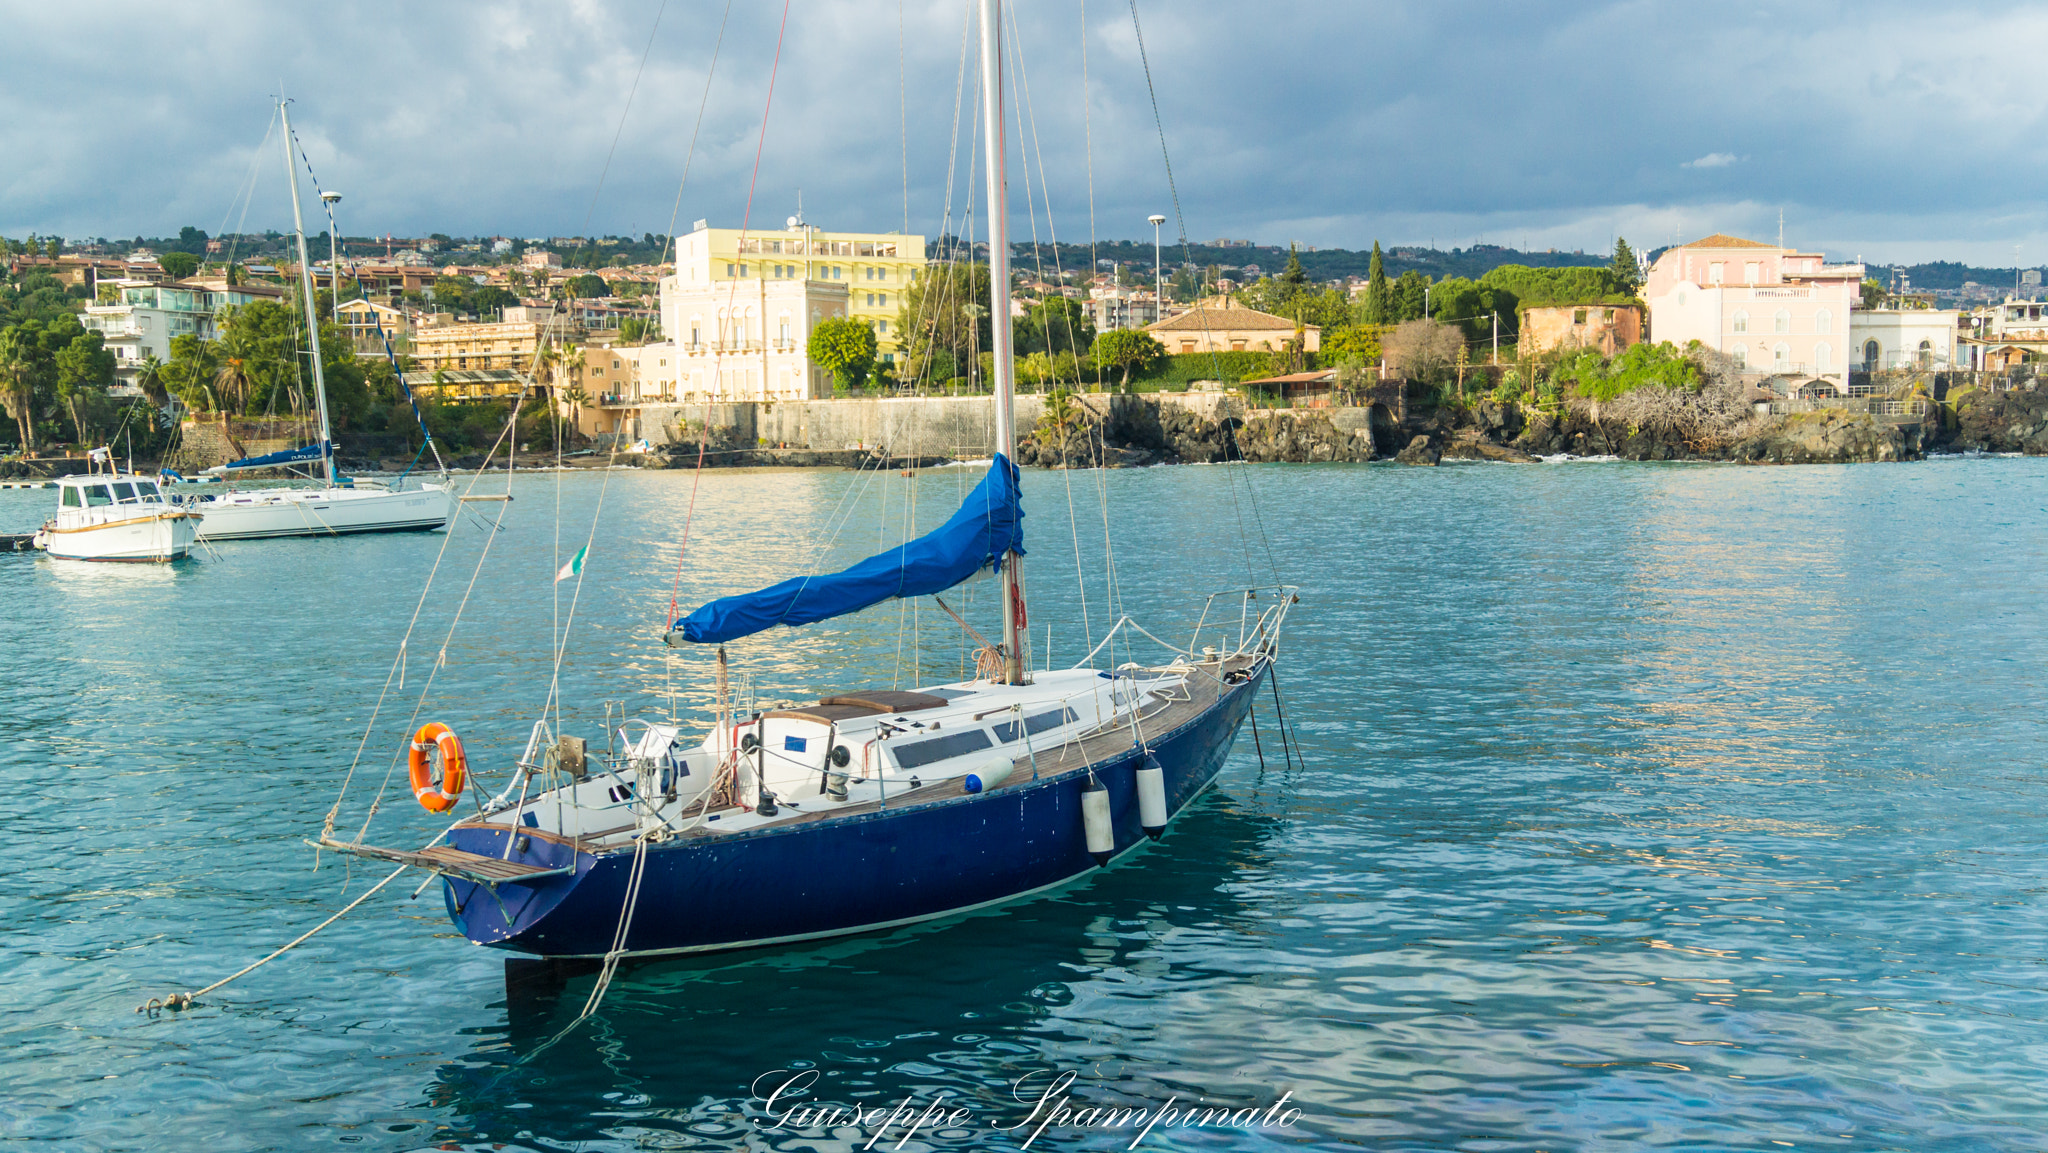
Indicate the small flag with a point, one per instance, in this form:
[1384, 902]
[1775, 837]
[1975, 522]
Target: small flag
[574, 567]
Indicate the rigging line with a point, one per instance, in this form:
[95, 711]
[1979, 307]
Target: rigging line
[509, 431]
[1187, 256]
[1024, 104]
[732, 294]
[562, 646]
[710, 75]
[248, 188]
[591, 213]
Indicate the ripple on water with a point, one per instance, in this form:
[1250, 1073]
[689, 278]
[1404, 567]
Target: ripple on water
[1638, 807]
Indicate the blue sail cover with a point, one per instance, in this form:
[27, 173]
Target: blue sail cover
[276, 459]
[989, 524]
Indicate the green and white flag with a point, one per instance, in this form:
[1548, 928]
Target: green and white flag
[574, 567]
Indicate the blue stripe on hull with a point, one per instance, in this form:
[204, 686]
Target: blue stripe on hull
[826, 878]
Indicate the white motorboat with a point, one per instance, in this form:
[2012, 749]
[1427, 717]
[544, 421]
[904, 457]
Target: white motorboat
[340, 505]
[116, 516]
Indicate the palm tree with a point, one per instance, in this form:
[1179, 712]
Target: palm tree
[18, 386]
[233, 381]
[150, 380]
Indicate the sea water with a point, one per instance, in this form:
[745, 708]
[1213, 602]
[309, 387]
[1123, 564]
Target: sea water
[1625, 806]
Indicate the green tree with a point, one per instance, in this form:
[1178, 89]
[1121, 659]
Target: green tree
[589, 286]
[1624, 267]
[945, 312]
[85, 370]
[1055, 324]
[1127, 349]
[1379, 297]
[844, 347]
[178, 265]
[1292, 279]
[53, 246]
[1408, 298]
[490, 298]
[1874, 293]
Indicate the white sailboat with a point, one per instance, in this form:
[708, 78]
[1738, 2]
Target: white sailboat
[870, 808]
[343, 505]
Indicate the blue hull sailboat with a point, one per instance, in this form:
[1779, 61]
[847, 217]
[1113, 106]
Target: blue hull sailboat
[867, 809]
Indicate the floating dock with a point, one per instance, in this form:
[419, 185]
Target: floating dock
[18, 542]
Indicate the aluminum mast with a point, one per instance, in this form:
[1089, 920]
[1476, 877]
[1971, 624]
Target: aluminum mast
[999, 312]
[291, 168]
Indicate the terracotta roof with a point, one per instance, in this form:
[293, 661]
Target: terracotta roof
[1723, 240]
[1223, 320]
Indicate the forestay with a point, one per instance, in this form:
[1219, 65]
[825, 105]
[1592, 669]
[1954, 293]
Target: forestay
[986, 526]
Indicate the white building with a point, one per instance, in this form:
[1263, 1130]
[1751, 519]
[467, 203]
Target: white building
[1889, 338]
[1776, 311]
[140, 318]
[1115, 308]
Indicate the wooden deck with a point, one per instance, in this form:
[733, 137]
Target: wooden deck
[450, 861]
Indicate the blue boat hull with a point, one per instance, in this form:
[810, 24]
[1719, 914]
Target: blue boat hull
[831, 877]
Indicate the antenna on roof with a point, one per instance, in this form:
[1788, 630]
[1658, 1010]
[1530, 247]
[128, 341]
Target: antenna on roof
[1781, 226]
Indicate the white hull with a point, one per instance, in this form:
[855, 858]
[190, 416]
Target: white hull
[154, 537]
[282, 512]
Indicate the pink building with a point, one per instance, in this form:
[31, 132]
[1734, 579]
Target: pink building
[1777, 311]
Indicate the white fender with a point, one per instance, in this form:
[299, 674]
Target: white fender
[1095, 821]
[1152, 797]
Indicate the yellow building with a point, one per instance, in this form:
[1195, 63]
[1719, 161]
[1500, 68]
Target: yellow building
[480, 361]
[873, 267]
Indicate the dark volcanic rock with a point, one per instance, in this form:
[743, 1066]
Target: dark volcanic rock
[2015, 421]
[1419, 451]
[1829, 437]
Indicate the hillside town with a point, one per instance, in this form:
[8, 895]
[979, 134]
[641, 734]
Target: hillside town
[611, 339]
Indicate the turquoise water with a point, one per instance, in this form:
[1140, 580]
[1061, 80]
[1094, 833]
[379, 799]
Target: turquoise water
[1638, 806]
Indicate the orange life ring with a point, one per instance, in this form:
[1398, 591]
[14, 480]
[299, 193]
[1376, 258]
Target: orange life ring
[437, 737]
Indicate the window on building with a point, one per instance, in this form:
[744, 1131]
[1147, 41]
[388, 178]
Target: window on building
[729, 270]
[1823, 358]
[882, 299]
[1870, 354]
[1823, 321]
[1715, 271]
[1926, 353]
[1741, 356]
[1741, 321]
[1749, 272]
[1579, 316]
[1782, 322]
[1607, 316]
[884, 325]
[1781, 357]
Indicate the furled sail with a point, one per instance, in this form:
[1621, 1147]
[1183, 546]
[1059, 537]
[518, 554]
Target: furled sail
[987, 525]
[311, 452]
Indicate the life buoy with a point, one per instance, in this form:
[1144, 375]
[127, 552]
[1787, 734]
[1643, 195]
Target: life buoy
[437, 737]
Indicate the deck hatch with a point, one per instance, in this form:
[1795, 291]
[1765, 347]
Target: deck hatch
[915, 754]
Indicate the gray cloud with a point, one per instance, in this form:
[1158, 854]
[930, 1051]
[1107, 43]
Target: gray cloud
[1888, 129]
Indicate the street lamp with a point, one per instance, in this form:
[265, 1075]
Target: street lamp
[1158, 285]
[330, 199]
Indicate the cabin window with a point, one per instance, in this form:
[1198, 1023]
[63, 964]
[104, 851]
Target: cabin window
[1033, 725]
[70, 498]
[914, 754]
[96, 495]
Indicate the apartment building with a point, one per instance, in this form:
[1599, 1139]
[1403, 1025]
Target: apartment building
[140, 318]
[873, 268]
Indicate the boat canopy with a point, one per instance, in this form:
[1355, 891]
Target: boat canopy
[987, 525]
[275, 459]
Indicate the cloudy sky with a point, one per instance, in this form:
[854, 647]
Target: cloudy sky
[1893, 131]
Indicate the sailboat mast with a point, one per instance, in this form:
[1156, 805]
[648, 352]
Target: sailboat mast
[291, 168]
[1005, 384]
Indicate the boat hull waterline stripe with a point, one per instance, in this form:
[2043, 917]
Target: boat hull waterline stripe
[988, 524]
